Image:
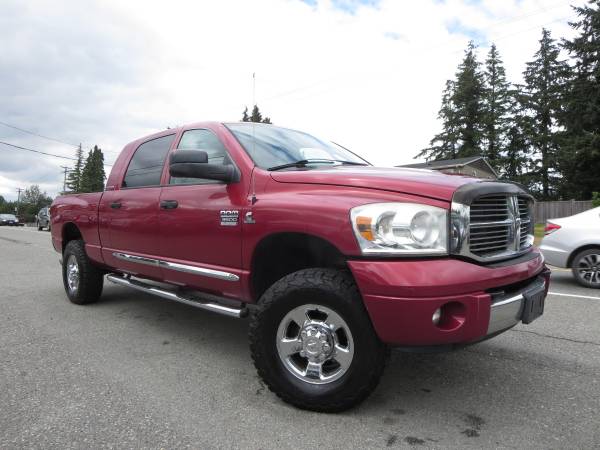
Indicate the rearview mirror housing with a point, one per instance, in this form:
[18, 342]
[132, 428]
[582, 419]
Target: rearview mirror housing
[194, 164]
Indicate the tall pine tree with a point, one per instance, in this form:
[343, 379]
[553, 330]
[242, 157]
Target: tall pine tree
[468, 100]
[496, 108]
[74, 177]
[92, 175]
[514, 161]
[544, 80]
[461, 113]
[580, 152]
[256, 116]
[444, 145]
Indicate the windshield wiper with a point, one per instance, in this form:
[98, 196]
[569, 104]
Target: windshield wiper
[305, 162]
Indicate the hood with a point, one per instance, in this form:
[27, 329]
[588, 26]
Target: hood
[423, 182]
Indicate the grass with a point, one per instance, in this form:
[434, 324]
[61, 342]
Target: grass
[538, 232]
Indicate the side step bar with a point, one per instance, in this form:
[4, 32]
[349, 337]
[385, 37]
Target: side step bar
[170, 295]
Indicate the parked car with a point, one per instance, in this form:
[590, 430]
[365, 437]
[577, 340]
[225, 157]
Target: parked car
[333, 259]
[42, 219]
[574, 242]
[10, 220]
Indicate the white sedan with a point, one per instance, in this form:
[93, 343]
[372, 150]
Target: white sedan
[575, 242]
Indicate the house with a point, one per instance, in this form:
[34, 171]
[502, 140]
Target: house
[474, 166]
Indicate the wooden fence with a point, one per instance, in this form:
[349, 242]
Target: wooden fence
[553, 210]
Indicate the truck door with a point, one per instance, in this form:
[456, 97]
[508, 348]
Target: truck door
[201, 223]
[131, 211]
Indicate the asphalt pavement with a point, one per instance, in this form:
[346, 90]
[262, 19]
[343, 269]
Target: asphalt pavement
[137, 371]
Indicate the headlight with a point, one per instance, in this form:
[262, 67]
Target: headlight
[401, 228]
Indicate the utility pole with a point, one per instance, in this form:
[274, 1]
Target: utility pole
[19, 190]
[65, 179]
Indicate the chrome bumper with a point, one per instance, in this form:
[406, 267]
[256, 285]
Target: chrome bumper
[507, 310]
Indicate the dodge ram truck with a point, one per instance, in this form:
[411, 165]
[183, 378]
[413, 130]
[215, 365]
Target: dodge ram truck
[332, 259]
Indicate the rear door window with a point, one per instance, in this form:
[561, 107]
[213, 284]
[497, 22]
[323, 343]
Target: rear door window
[147, 163]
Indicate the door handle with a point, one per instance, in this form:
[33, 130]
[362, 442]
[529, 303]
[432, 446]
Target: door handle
[169, 204]
[115, 205]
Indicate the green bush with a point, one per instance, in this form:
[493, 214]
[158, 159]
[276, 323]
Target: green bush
[595, 199]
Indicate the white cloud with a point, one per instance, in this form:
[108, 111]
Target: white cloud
[367, 76]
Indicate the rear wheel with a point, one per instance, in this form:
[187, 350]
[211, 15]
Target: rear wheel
[39, 226]
[313, 343]
[586, 268]
[82, 280]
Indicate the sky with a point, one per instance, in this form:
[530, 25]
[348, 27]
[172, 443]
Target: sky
[367, 74]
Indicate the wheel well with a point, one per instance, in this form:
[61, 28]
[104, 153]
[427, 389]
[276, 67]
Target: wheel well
[70, 232]
[580, 249]
[281, 254]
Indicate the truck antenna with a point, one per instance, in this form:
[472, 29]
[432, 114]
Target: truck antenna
[252, 186]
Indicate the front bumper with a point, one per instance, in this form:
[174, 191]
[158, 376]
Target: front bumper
[476, 301]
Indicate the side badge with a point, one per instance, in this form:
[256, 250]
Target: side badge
[229, 218]
[249, 218]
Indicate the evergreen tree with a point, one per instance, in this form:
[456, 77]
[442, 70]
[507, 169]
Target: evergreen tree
[461, 113]
[468, 101]
[92, 175]
[514, 161]
[496, 108]
[444, 145]
[580, 150]
[544, 77]
[74, 176]
[256, 116]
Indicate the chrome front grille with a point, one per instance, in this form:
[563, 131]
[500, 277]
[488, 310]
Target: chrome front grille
[524, 206]
[499, 225]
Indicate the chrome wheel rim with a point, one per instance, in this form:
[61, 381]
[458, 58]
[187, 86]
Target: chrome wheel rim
[72, 274]
[588, 268]
[315, 344]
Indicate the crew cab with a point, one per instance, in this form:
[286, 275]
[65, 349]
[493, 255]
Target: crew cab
[331, 258]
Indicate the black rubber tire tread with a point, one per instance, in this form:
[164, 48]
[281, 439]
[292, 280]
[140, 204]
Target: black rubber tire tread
[340, 285]
[91, 279]
[576, 258]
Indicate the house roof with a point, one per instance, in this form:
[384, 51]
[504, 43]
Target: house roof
[449, 163]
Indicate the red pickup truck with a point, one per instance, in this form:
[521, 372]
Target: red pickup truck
[333, 259]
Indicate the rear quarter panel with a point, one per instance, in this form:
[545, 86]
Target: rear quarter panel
[80, 210]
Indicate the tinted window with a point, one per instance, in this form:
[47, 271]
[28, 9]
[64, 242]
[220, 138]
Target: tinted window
[147, 163]
[270, 146]
[207, 141]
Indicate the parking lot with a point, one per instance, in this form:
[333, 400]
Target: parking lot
[137, 371]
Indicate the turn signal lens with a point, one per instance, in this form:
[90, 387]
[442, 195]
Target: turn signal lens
[364, 227]
[550, 228]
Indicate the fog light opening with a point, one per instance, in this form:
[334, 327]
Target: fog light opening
[450, 316]
[437, 315]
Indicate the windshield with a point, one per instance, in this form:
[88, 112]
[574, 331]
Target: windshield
[8, 216]
[270, 146]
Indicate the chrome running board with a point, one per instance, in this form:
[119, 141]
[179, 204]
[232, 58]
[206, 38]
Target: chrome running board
[197, 302]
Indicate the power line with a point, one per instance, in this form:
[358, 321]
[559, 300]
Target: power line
[37, 151]
[33, 133]
[43, 153]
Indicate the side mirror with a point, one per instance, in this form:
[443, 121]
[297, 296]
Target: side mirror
[194, 164]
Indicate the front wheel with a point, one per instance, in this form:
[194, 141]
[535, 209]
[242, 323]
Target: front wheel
[586, 268]
[313, 343]
[82, 280]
